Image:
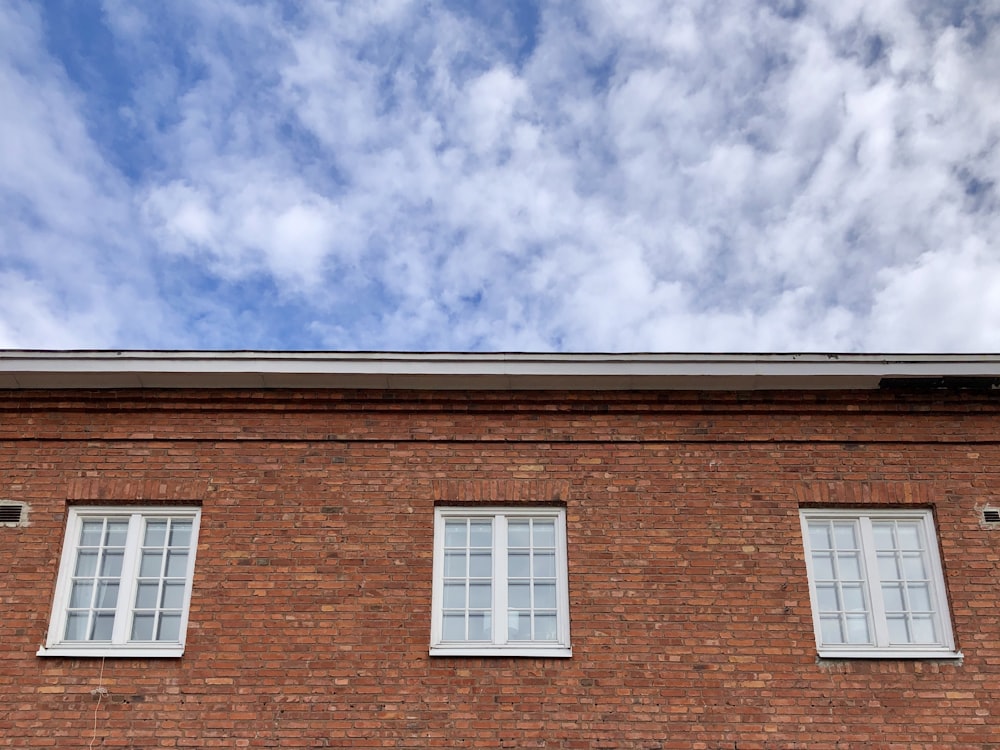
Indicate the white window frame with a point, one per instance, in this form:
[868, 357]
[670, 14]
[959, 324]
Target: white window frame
[500, 646]
[119, 644]
[881, 648]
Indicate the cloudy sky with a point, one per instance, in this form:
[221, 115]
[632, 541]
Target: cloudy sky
[563, 175]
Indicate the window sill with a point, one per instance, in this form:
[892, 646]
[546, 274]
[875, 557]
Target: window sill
[884, 653]
[559, 652]
[172, 651]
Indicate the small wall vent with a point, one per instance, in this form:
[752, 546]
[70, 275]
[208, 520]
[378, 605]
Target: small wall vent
[991, 515]
[11, 514]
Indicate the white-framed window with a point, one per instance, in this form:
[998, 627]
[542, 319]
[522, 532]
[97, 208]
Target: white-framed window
[876, 584]
[124, 584]
[500, 582]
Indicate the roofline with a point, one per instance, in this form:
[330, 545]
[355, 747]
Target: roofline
[123, 369]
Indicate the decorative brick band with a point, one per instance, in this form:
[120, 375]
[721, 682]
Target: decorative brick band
[500, 491]
[864, 493]
[142, 490]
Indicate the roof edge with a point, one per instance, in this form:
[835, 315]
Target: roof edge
[126, 369]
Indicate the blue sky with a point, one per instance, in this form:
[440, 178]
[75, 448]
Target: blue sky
[585, 175]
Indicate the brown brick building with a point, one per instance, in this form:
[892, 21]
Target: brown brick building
[499, 551]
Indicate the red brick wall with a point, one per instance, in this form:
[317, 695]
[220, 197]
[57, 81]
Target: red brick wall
[310, 616]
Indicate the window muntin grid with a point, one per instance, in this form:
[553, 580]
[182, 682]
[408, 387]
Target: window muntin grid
[161, 580]
[468, 580]
[840, 585]
[876, 583]
[93, 599]
[532, 613]
[907, 588]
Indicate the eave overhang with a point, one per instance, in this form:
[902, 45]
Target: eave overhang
[251, 370]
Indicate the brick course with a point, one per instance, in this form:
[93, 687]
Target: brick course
[689, 603]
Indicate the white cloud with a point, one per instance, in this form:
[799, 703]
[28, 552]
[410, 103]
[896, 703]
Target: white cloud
[965, 282]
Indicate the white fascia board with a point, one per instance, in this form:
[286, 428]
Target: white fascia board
[475, 371]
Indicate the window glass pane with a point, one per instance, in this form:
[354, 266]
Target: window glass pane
[149, 566]
[454, 596]
[177, 564]
[156, 534]
[111, 565]
[76, 627]
[545, 627]
[908, 534]
[170, 628]
[86, 564]
[897, 629]
[454, 564]
[455, 533]
[826, 595]
[90, 533]
[913, 566]
[479, 626]
[454, 626]
[823, 566]
[81, 594]
[518, 534]
[819, 535]
[923, 629]
[481, 534]
[884, 540]
[173, 596]
[107, 595]
[518, 626]
[545, 595]
[854, 598]
[481, 564]
[544, 533]
[142, 627]
[116, 534]
[104, 623]
[830, 629]
[920, 597]
[518, 565]
[480, 595]
[544, 564]
[888, 570]
[146, 594]
[180, 533]
[857, 629]
[849, 566]
[892, 593]
[519, 596]
[844, 534]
